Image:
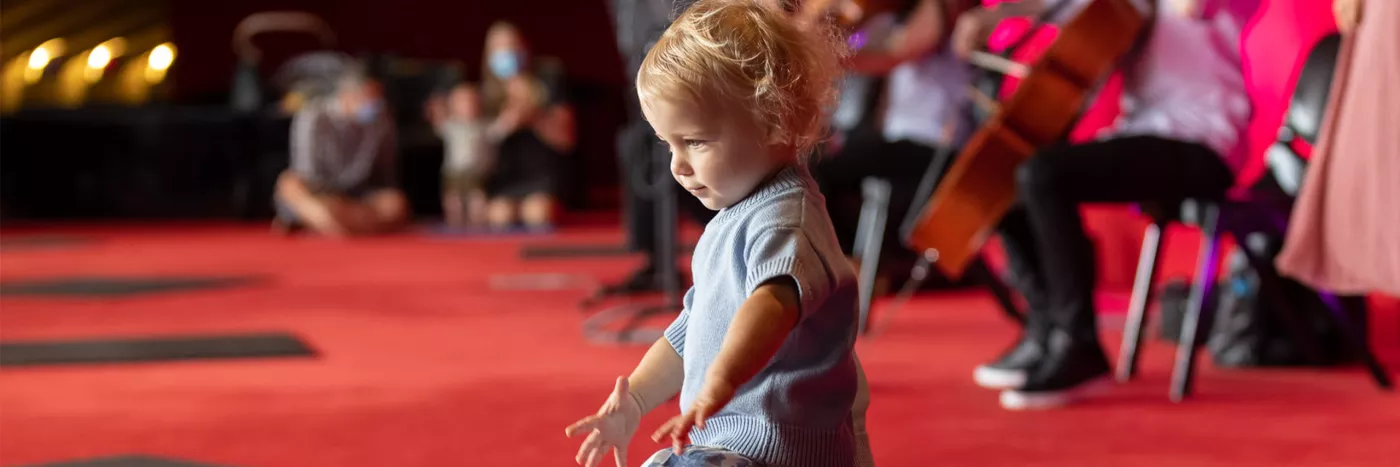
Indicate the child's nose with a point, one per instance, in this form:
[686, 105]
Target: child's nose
[679, 164]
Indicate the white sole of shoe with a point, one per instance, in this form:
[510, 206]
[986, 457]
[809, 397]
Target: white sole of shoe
[1012, 399]
[997, 378]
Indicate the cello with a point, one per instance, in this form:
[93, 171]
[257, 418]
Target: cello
[980, 187]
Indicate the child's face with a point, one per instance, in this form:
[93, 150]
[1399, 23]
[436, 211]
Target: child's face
[463, 102]
[719, 157]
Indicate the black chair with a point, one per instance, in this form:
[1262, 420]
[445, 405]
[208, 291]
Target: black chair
[869, 242]
[1240, 216]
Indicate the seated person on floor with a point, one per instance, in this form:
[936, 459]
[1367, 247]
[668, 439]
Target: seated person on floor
[342, 176]
[1181, 135]
[530, 108]
[469, 154]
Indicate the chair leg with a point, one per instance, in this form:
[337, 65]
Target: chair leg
[1358, 343]
[1142, 298]
[870, 239]
[917, 276]
[1206, 264]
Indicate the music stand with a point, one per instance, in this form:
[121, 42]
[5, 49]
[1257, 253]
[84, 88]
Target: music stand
[663, 193]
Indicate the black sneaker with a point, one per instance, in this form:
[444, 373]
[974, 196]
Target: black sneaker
[1009, 370]
[1070, 371]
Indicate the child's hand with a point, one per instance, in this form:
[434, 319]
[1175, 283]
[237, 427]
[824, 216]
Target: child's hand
[713, 397]
[611, 428]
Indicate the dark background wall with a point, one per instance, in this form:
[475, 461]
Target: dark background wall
[189, 155]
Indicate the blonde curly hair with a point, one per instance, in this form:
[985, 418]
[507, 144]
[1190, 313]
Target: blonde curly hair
[749, 53]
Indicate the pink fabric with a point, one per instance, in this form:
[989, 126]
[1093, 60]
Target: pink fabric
[1345, 229]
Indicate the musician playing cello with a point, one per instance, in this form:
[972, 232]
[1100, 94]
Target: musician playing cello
[1184, 113]
[925, 107]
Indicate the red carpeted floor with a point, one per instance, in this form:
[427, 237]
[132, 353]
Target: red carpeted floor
[424, 364]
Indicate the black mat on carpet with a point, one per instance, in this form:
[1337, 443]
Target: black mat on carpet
[38, 242]
[98, 286]
[153, 349]
[128, 461]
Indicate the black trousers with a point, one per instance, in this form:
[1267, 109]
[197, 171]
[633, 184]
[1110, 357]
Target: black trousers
[839, 175]
[1051, 255]
[645, 169]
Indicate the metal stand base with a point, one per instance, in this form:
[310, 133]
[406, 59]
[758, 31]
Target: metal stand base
[667, 277]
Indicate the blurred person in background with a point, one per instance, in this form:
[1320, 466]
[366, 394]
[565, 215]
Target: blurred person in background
[529, 106]
[342, 179]
[469, 145]
[1343, 237]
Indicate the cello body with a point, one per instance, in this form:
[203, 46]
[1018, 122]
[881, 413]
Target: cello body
[980, 186]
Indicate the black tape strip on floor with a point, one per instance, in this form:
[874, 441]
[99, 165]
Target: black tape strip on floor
[98, 286]
[154, 349]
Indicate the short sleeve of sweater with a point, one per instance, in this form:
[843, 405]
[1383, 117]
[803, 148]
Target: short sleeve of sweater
[675, 333]
[787, 252]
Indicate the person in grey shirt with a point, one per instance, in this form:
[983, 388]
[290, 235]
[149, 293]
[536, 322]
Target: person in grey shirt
[342, 179]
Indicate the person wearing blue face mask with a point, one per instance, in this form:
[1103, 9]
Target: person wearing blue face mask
[528, 108]
[342, 178]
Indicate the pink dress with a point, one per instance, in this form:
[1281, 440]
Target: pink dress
[1344, 235]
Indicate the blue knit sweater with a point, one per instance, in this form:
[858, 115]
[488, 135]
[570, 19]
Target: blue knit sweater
[797, 411]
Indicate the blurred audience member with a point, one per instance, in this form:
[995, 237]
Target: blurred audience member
[529, 107]
[342, 177]
[1342, 236]
[469, 143]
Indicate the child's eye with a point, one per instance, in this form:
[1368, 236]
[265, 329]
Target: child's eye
[694, 143]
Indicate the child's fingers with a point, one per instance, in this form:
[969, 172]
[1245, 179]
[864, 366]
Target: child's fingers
[620, 456]
[664, 430]
[678, 429]
[582, 426]
[594, 457]
[588, 447]
[700, 416]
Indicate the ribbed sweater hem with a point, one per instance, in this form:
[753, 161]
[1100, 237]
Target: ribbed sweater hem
[777, 445]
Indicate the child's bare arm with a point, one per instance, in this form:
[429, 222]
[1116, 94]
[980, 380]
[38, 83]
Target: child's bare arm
[658, 376]
[759, 328]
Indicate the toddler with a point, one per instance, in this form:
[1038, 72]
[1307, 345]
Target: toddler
[469, 155]
[762, 353]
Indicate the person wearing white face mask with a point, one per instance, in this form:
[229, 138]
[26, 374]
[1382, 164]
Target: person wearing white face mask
[534, 123]
[342, 178]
